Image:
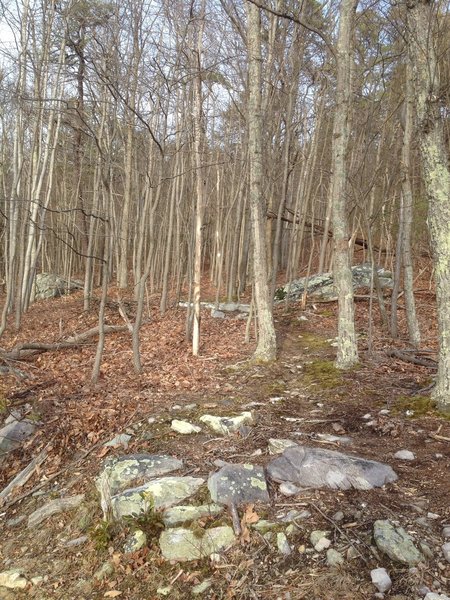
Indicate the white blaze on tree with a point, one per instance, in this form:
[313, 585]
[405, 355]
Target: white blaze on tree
[347, 350]
[421, 21]
[266, 347]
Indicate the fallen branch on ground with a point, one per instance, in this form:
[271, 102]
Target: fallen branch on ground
[415, 360]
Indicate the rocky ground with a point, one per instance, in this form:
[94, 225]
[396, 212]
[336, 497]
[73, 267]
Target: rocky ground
[285, 542]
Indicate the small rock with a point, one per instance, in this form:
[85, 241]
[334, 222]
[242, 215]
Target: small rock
[278, 446]
[184, 544]
[106, 570]
[239, 484]
[283, 544]
[384, 411]
[322, 544]
[77, 541]
[352, 553]
[317, 535]
[227, 425]
[220, 463]
[426, 550]
[177, 407]
[184, 514]
[423, 590]
[37, 580]
[164, 591]
[120, 440]
[366, 417]
[396, 543]
[404, 455]
[446, 532]
[135, 541]
[338, 517]
[289, 489]
[446, 551]
[334, 558]
[151, 420]
[257, 452]
[381, 580]
[217, 314]
[432, 516]
[13, 579]
[433, 596]
[263, 526]
[295, 515]
[334, 439]
[191, 406]
[201, 587]
[184, 427]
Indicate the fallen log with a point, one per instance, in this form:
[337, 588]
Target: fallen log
[21, 478]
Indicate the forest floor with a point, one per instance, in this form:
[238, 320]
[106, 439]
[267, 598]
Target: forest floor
[301, 395]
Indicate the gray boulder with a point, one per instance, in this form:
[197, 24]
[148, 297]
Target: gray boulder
[321, 287]
[183, 514]
[238, 484]
[49, 285]
[320, 468]
[396, 543]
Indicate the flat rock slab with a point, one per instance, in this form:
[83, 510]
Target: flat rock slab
[13, 579]
[227, 425]
[184, 427]
[396, 543]
[120, 473]
[157, 494]
[184, 544]
[14, 433]
[238, 484]
[320, 468]
[53, 508]
[183, 514]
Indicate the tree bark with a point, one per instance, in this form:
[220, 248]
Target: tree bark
[421, 17]
[266, 347]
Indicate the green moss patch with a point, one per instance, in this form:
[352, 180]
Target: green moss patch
[323, 373]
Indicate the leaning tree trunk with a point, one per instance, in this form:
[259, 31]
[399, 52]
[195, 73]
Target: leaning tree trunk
[421, 17]
[347, 350]
[266, 347]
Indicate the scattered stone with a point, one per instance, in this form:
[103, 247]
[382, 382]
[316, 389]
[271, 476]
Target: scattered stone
[220, 463]
[433, 596]
[352, 553]
[164, 591]
[184, 544]
[322, 544]
[54, 507]
[135, 541]
[366, 417]
[283, 544]
[201, 587]
[384, 411]
[177, 407]
[426, 550]
[156, 494]
[319, 468]
[227, 425]
[14, 434]
[381, 580]
[120, 440]
[433, 516]
[121, 472]
[316, 535]
[263, 526]
[278, 446]
[77, 541]
[238, 484]
[37, 580]
[334, 558]
[151, 420]
[185, 514]
[106, 570]
[217, 314]
[289, 489]
[191, 406]
[396, 543]
[295, 515]
[404, 455]
[423, 590]
[338, 517]
[334, 439]
[257, 452]
[13, 579]
[446, 532]
[184, 427]
[446, 551]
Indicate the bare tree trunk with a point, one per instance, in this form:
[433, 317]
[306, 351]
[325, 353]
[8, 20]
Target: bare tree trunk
[266, 348]
[347, 350]
[421, 19]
